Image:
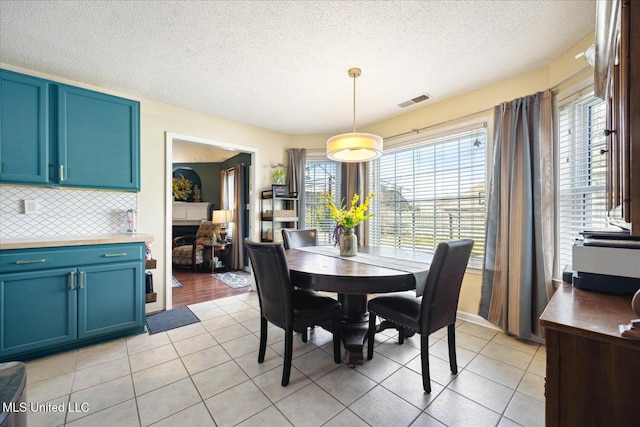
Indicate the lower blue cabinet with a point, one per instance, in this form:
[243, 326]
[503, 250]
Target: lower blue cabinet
[52, 309]
[110, 298]
[38, 310]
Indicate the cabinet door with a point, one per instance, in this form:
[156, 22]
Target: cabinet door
[110, 298]
[38, 310]
[98, 140]
[24, 129]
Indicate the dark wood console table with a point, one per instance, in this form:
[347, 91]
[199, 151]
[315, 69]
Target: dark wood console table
[593, 374]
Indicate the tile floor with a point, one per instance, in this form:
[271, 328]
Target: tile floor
[207, 374]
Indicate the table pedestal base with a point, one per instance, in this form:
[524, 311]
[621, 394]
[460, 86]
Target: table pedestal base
[354, 327]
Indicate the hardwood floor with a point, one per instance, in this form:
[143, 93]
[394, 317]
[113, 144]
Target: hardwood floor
[199, 287]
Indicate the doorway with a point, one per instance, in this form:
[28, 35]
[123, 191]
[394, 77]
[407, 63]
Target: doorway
[214, 148]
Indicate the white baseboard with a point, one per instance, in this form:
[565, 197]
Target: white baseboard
[474, 318]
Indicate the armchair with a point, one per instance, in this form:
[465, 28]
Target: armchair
[189, 250]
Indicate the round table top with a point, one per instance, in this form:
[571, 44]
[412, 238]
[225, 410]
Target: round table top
[347, 276]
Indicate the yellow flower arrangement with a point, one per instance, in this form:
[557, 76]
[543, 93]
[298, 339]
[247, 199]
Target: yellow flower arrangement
[349, 218]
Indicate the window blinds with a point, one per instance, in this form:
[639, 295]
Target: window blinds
[581, 171]
[431, 192]
[320, 177]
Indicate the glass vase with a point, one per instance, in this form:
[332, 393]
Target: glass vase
[348, 243]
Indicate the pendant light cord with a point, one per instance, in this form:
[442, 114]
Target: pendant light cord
[354, 104]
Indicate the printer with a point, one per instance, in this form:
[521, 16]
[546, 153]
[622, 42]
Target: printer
[607, 262]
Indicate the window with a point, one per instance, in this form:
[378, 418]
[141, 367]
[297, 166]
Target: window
[230, 189]
[320, 177]
[431, 192]
[581, 171]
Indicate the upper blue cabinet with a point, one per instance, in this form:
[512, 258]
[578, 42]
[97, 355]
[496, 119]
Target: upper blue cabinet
[85, 139]
[24, 129]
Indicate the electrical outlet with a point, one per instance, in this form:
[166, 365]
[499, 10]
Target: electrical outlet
[30, 206]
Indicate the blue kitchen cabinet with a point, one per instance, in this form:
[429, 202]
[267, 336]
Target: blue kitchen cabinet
[24, 129]
[38, 310]
[54, 299]
[110, 298]
[98, 140]
[53, 134]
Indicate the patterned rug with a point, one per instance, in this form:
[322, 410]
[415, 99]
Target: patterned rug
[170, 319]
[175, 283]
[234, 279]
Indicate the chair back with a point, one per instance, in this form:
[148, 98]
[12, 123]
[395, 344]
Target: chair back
[206, 230]
[273, 281]
[442, 288]
[299, 238]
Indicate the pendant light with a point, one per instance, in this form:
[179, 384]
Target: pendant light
[354, 147]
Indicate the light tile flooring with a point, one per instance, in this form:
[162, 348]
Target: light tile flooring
[207, 374]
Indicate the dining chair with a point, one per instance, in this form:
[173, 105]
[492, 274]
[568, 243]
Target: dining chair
[299, 238]
[434, 310]
[286, 307]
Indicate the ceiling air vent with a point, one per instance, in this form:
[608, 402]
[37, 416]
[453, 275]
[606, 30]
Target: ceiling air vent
[414, 101]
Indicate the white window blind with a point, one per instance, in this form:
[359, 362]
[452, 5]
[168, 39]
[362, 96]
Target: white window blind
[581, 171]
[320, 177]
[431, 192]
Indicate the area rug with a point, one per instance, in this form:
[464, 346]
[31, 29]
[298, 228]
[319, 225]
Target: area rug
[170, 319]
[175, 283]
[234, 279]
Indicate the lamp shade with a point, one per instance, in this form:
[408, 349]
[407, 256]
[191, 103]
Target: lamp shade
[222, 216]
[354, 147]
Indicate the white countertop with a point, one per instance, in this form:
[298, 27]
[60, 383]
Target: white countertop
[46, 242]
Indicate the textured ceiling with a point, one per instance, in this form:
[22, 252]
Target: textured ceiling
[283, 65]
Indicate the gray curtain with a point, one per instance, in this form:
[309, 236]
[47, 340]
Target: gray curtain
[239, 219]
[353, 180]
[519, 251]
[295, 178]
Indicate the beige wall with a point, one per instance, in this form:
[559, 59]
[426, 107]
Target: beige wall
[158, 118]
[476, 103]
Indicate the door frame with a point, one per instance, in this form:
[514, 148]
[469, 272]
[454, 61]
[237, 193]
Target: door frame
[170, 137]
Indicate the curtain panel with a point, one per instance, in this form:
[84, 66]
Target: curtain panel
[354, 181]
[519, 248]
[237, 258]
[295, 178]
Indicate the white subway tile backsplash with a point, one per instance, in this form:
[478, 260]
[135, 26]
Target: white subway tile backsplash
[63, 212]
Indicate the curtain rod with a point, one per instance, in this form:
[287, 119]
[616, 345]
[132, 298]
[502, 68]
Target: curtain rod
[418, 130]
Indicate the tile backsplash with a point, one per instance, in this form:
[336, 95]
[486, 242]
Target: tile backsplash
[63, 212]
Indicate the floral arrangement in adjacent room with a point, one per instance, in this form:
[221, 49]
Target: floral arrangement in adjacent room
[181, 188]
[348, 219]
[279, 173]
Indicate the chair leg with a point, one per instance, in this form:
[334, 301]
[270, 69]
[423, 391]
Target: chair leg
[400, 336]
[371, 334]
[305, 336]
[453, 361]
[288, 355]
[263, 339]
[336, 340]
[424, 356]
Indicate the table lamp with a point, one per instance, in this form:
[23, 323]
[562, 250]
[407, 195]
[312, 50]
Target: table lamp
[222, 217]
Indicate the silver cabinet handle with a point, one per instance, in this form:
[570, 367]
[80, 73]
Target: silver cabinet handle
[81, 281]
[115, 255]
[30, 261]
[61, 173]
[72, 280]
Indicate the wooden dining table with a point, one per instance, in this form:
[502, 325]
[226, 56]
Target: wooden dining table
[373, 270]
